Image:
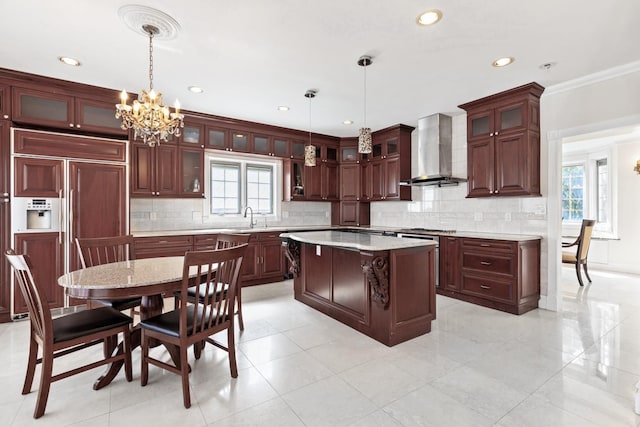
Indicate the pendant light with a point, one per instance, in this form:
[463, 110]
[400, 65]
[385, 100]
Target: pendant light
[310, 150]
[364, 138]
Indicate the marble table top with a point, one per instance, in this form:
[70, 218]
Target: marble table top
[126, 274]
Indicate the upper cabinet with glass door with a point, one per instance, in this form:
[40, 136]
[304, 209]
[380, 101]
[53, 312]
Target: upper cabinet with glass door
[64, 111]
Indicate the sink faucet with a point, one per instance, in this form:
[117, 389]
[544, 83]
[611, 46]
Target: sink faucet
[248, 208]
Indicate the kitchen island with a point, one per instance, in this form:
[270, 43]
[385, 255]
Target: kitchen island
[381, 286]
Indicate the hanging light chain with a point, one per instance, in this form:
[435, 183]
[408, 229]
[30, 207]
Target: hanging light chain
[150, 59]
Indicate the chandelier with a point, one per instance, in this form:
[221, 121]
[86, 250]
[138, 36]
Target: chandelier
[310, 150]
[364, 138]
[148, 117]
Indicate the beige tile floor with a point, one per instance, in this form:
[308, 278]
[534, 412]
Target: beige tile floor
[299, 368]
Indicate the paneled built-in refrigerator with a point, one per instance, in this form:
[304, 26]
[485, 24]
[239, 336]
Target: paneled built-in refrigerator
[64, 186]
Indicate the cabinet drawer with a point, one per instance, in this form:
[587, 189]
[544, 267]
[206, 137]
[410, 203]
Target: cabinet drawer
[489, 245]
[205, 242]
[148, 247]
[502, 264]
[487, 288]
[268, 236]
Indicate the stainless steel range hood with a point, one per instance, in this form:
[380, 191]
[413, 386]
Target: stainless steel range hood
[431, 154]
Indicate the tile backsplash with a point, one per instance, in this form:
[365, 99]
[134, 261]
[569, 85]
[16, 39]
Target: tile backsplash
[186, 214]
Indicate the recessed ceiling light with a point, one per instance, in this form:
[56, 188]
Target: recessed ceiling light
[69, 61]
[195, 89]
[429, 17]
[283, 108]
[503, 62]
[347, 122]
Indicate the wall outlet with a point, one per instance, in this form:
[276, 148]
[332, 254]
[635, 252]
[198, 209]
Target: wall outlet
[477, 216]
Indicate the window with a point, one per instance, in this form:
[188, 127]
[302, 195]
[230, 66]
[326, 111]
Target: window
[602, 177]
[573, 192]
[259, 188]
[587, 191]
[225, 188]
[239, 181]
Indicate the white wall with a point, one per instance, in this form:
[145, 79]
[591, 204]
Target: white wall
[594, 103]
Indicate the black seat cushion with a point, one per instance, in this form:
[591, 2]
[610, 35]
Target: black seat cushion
[169, 323]
[87, 322]
[120, 304]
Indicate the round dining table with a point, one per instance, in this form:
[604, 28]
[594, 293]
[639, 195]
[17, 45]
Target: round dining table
[149, 278]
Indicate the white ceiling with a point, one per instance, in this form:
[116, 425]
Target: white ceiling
[252, 55]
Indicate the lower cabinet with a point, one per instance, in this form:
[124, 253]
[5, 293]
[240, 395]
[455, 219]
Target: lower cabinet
[41, 247]
[499, 274]
[151, 247]
[264, 260]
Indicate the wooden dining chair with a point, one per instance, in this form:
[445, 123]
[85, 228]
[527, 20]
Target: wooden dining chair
[579, 257]
[193, 322]
[104, 250]
[64, 335]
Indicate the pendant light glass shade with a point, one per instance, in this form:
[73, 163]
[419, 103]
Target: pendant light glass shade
[309, 155]
[364, 139]
[310, 150]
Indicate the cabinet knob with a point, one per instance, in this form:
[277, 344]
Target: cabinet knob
[78, 126]
[70, 125]
[496, 191]
[496, 134]
[6, 116]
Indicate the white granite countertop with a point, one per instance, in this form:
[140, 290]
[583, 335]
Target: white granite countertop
[471, 234]
[360, 241]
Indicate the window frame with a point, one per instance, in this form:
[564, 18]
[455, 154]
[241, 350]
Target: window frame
[244, 159]
[590, 158]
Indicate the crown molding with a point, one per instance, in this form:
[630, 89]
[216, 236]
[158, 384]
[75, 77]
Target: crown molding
[590, 79]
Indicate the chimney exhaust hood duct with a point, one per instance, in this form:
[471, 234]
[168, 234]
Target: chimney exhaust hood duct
[431, 156]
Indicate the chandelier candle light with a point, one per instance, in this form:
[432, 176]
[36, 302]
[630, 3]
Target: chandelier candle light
[364, 139]
[310, 150]
[150, 120]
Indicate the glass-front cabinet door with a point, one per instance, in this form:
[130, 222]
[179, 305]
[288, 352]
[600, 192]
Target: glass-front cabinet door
[240, 141]
[43, 108]
[262, 144]
[217, 138]
[97, 116]
[281, 147]
[297, 149]
[192, 134]
[192, 172]
[511, 117]
[480, 124]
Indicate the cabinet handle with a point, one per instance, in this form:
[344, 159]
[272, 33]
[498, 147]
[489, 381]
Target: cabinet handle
[485, 263]
[60, 224]
[70, 216]
[485, 245]
[485, 287]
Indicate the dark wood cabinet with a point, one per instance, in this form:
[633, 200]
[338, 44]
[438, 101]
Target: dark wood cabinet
[5, 103]
[161, 246]
[503, 143]
[321, 180]
[499, 274]
[450, 263]
[65, 111]
[293, 180]
[154, 170]
[264, 259]
[38, 177]
[5, 215]
[191, 172]
[350, 176]
[46, 253]
[350, 213]
[388, 164]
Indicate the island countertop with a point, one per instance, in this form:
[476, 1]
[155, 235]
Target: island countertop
[360, 241]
